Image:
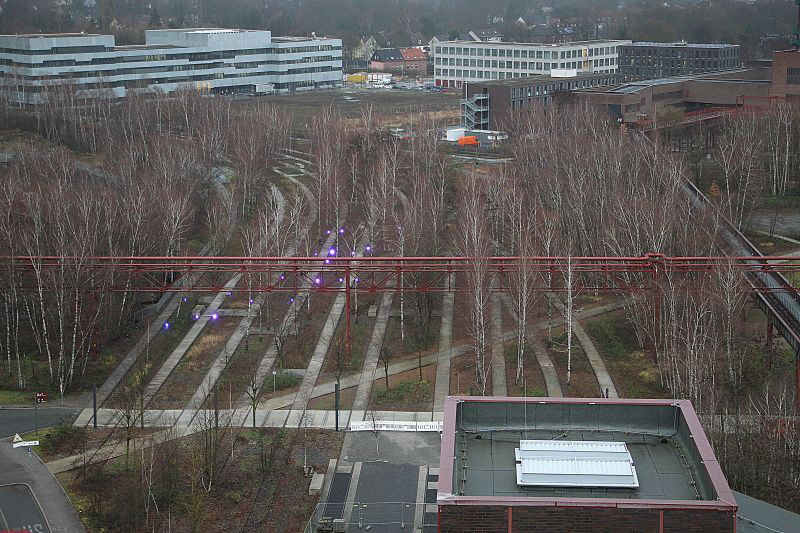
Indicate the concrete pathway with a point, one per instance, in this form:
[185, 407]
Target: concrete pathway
[194, 332]
[367, 376]
[268, 359]
[223, 358]
[288, 418]
[442, 387]
[499, 386]
[549, 373]
[607, 387]
[321, 350]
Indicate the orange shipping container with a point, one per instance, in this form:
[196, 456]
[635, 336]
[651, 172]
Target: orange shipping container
[468, 140]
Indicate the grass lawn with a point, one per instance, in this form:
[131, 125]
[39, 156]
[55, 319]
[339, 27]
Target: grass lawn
[16, 397]
[633, 371]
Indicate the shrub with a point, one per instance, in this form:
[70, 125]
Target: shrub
[406, 393]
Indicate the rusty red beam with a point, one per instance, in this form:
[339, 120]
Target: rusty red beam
[369, 274]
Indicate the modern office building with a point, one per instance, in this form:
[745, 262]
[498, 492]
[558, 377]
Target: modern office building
[493, 104]
[572, 464]
[646, 60]
[208, 59]
[457, 62]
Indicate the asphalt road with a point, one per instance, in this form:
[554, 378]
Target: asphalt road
[378, 484]
[21, 419]
[19, 510]
[17, 466]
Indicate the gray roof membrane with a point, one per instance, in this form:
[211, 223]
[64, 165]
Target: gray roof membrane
[663, 474]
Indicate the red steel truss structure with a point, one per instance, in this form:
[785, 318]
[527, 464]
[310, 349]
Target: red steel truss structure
[372, 274]
[349, 275]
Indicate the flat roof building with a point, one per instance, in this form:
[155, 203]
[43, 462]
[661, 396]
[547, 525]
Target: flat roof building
[571, 464]
[457, 62]
[639, 101]
[648, 60]
[493, 105]
[207, 59]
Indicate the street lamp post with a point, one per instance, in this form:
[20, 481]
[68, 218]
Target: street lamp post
[274, 373]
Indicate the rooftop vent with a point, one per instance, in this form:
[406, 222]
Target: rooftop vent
[551, 463]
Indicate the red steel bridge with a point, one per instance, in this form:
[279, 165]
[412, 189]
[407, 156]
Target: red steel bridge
[765, 275]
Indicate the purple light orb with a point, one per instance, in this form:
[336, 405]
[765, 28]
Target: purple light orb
[368, 248]
[282, 277]
[251, 300]
[229, 293]
[166, 325]
[357, 280]
[341, 280]
[291, 300]
[327, 232]
[196, 316]
[214, 316]
[185, 299]
[332, 251]
[317, 281]
[341, 231]
[327, 261]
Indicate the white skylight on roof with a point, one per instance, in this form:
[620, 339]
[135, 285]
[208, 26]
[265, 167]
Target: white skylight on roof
[566, 463]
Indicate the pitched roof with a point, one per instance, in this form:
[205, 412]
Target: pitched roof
[412, 54]
[387, 54]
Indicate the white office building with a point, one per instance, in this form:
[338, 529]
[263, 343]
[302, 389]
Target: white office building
[456, 62]
[207, 59]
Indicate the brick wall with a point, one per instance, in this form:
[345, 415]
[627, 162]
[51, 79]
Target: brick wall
[474, 519]
[780, 62]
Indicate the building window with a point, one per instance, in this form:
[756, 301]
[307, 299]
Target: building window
[793, 75]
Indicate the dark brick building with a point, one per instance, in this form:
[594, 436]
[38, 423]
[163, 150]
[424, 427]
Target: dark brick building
[647, 61]
[786, 74]
[492, 104]
[678, 485]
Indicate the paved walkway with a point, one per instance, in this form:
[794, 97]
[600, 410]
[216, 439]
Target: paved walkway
[194, 332]
[499, 387]
[321, 350]
[551, 382]
[607, 387]
[367, 376]
[442, 387]
[289, 418]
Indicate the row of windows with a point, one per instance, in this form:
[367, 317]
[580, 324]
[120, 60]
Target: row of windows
[673, 52]
[691, 63]
[196, 56]
[523, 65]
[58, 50]
[71, 63]
[145, 82]
[160, 68]
[480, 74]
[518, 93]
[530, 54]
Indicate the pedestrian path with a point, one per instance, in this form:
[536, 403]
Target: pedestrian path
[607, 387]
[442, 386]
[551, 381]
[499, 387]
[280, 418]
[367, 376]
[323, 344]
